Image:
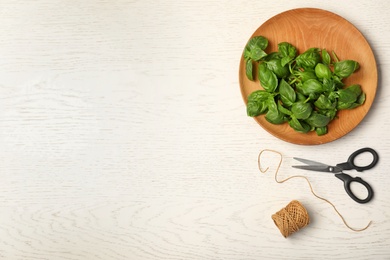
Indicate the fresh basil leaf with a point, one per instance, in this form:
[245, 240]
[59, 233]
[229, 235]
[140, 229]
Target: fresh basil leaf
[311, 86]
[335, 58]
[255, 54]
[345, 68]
[331, 113]
[338, 82]
[299, 126]
[258, 42]
[301, 110]
[255, 47]
[275, 117]
[322, 102]
[272, 55]
[309, 59]
[254, 109]
[353, 105]
[259, 95]
[305, 75]
[286, 60]
[288, 52]
[346, 96]
[356, 89]
[249, 69]
[317, 120]
[287, 93]
[321, 130]
[276, 67]
[328, 84]
[300, 97]
[257, 103]
[313, 96]
[343, 105]
[361, 98]
[268, 79]
[284, 110]
[326, 57]
[322, 71]
[333, 96]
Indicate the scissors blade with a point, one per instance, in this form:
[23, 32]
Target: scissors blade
[310, 162]
[317, 168]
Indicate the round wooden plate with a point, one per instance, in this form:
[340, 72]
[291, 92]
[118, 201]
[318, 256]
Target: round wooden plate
[309, 27]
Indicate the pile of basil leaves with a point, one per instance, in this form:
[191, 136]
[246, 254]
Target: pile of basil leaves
[305, 90]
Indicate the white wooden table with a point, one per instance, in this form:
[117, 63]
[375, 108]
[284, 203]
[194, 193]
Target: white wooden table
[124, 135]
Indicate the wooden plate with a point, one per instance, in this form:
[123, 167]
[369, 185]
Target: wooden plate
[309, 27]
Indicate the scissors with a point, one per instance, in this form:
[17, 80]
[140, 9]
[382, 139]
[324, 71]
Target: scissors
[348, 165]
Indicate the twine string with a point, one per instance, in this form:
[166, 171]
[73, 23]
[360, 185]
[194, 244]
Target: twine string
[291, 218]
[310, 186]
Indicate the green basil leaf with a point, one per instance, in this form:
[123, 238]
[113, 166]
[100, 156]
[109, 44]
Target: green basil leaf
[257, 103]
[268, 79]
[273, 115]
[321, 130]
[309, 59]
[322, 71]
[338, 82]
[255, 47]
[361, 98]
[312, 86]
[299, 126]
[326, 57]
[285, 60]
[343, 105]
[276, 67]
[249, 69]
[284, 110]
[300, 97]
[254, 109]
[287, 93]
[272, 55]
[254, 54]
[345, 68]
[301, 110]
[259, 95]
[329, 85]
[305, 75]
[288, 52]
[323, 102]
[258, 42]
[353, 105]
[347, 96]
[333, 96]
[317, 120]
[356, 89]
[331, 113]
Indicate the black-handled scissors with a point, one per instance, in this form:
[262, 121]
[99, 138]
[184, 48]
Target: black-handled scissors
[348, 165]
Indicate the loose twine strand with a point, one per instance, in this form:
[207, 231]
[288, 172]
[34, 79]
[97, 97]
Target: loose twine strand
[308, 182]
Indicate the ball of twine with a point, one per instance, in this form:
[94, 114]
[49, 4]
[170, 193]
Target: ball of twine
[291, 218]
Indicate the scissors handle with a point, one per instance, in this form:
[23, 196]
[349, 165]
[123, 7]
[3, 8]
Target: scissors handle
[347, 186]
[350, 164]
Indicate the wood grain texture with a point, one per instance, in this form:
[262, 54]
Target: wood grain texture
[123, 136]
[307, 28]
